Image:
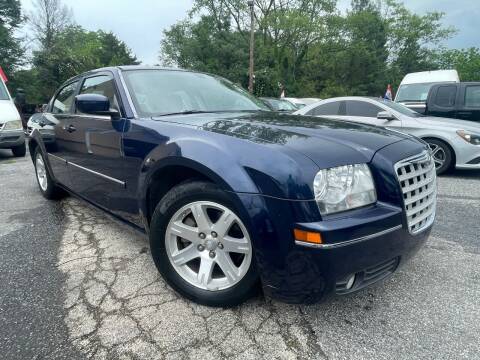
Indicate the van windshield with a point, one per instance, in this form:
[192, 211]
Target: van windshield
[413, 92]
[3, 92]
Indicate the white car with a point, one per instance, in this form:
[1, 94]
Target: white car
[301, 102]
[414, 88]
[454, 143]
[11, 129]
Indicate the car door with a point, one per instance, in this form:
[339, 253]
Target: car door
[442, 101]
[59, 114]
[470, 110]
[366, 113]
[96, 160]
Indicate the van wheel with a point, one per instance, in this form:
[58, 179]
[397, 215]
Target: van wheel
[202, 247]
[47, 187]
[442, 155]
[19, 151]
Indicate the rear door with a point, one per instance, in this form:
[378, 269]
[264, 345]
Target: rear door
[470, 98]
[60, 115]
[442, 101]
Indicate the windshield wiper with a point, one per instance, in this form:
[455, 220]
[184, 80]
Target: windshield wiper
[187, 112]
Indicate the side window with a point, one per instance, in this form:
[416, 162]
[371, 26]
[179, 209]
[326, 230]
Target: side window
[101, 85]
[64, 99]
[446, 96]
[362, 108]
[331, 108]
[472, 96]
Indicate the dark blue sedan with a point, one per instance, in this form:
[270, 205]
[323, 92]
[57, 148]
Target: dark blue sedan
[231, 195]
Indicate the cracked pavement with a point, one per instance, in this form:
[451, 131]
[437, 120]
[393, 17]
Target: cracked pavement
[111, 303]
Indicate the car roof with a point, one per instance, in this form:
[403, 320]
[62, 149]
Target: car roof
[431, 77]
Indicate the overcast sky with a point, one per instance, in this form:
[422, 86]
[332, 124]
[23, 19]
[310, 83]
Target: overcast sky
[140, 23]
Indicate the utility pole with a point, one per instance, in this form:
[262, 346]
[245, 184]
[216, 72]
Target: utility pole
[252, 40]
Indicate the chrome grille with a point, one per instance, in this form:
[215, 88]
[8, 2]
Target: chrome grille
[418, 180]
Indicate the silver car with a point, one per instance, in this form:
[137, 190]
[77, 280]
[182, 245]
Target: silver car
[454, 143]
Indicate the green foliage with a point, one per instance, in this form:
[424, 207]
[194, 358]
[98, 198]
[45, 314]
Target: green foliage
[11, 51]
[74, 51]
[308, 46]
[465, 61]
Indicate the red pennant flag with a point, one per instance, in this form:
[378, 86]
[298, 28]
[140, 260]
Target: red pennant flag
[3, 76]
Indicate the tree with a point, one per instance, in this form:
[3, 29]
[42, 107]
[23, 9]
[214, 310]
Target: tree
[412, 39]
[465, 61]
[49, 19]
[74, 51]
[11, 51]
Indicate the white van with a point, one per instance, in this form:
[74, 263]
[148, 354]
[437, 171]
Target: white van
[11, 129]
[414, 88]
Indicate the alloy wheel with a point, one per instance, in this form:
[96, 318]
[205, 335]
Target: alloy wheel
[208, 245]
[41, 172]
[438, 154]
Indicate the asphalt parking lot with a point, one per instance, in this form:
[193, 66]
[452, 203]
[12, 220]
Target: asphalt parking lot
[75, 284]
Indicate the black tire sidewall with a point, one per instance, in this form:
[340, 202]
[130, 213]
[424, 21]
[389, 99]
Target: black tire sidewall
[175, 199]
[448, 155]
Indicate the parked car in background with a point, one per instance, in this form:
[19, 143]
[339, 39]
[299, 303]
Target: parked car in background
[455, 100]
[280, 105]
[301, 102]
[414, 88]
[11, 129]
[44, 124]
[233, 194]
[454, 143]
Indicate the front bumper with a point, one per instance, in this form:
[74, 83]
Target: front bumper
[370, 242]
[11, 138]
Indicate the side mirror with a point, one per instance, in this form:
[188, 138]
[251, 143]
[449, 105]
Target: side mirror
[95, 104]
[44, 108]
[386, 115]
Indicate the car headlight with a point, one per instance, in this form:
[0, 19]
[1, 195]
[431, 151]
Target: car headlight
[469, 137]
[13, 125]
[344, 188]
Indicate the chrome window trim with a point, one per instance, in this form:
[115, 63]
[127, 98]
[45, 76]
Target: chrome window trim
[349, 242]
[127, 93]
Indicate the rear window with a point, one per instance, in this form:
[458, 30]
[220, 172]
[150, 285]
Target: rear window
[331, 108]
[446, 96]
[3, 92]
[472, 96]
[413, 92]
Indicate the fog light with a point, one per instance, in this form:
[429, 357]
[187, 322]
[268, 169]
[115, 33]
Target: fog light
[350, 282]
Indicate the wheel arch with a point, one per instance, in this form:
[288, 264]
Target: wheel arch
[172, 172]
[446, 142]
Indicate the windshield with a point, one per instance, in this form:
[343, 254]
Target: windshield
[3, 92]
[281, 105]
[163, 92]
[399, 108]
[413, 92]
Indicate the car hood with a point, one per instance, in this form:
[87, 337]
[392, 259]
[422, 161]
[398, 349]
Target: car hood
[8, 111]
[326, 141]
[451, 124]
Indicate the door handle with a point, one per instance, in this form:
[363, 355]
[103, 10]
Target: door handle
[70, 128]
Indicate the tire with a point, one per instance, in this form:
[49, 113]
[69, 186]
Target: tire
[207, 250]
[19, 151]
[45, 182]
[442, 155]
